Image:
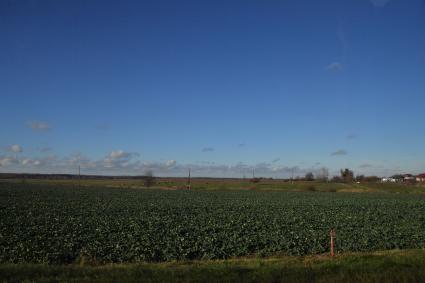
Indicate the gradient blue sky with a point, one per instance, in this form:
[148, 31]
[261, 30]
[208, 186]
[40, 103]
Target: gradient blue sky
[121, 87]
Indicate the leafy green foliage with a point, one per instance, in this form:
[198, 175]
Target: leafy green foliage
[51, 224]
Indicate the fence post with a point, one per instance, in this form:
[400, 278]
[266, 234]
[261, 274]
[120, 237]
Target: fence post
[332, 234]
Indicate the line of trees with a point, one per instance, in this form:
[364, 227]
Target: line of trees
[346, 176]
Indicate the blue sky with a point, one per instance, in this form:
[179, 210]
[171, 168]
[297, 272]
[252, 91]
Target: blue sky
[122, 87]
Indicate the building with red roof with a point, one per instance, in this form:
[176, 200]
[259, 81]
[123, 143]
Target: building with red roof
[420, 177]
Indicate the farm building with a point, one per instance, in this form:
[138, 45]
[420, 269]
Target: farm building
[420, 177]
[408, 177]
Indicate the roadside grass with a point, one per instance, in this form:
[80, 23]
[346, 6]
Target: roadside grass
[388, 266]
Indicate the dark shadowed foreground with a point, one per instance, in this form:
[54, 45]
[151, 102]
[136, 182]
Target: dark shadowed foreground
[391, 266]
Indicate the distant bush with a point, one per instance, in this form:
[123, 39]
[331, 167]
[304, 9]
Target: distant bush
[311, 188]
[309, 176]
[372, 179]
[149, 179]
[255, 180]
[336, 179]
[367, 179]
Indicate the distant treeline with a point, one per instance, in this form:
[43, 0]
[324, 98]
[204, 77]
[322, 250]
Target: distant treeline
[99, 177]
[63, 176]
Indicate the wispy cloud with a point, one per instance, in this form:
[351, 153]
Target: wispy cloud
[206, 162]
[276, 160]
[334, 66]
[39, 126]
[102, 127]
[208, 149]
[380, 3]
[339, 152]
[45, 149]
[365, 165]
[343, 42]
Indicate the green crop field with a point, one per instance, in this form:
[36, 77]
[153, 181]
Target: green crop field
[64, 224]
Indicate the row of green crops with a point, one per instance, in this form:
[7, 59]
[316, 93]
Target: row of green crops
[66, 225]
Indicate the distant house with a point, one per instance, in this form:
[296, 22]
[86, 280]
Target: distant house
[420, 177]
[389, 180]
[408, 178]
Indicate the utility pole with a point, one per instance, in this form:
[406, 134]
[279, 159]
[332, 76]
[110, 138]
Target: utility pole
[253, 173]
[188, 181]
[292, 176]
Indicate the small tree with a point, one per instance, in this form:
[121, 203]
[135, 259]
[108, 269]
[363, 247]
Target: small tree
[360, 178]
[347, 175]
[149, 179]
[309, 176]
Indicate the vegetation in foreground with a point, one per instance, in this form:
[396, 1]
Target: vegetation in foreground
[388, 267]
[69, 225]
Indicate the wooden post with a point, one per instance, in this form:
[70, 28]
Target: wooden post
[332, 234]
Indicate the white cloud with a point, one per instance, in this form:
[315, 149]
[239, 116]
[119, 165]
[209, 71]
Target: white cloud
[39, 126]
[31, 162]
[170, 163]
[26, 161]
[334, 66]
[119, 154]
[77, 159]
[7, 161]
[16, 148]
[119, 159]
